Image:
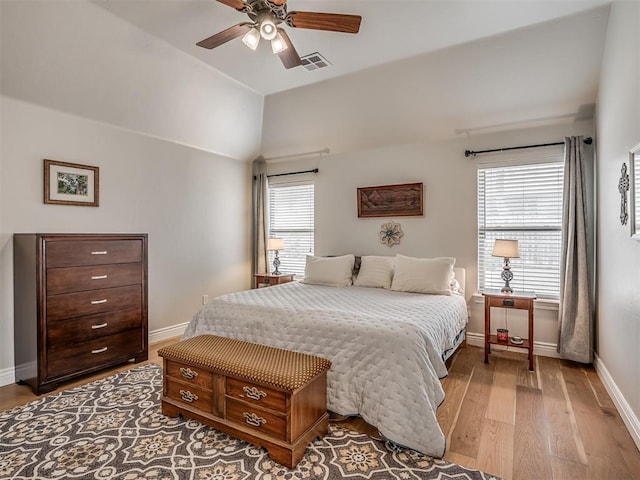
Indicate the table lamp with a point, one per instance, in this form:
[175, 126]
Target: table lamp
[506, 249]
[275, 244]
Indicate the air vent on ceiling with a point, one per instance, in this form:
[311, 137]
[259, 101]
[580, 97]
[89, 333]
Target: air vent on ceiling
[314, 61]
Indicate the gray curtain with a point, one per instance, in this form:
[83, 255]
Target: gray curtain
[575, 315]
[260, 263]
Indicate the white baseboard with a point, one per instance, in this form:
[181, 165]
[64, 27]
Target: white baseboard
[539, 348]
[167, 332]
[629, 418]
[8, 375]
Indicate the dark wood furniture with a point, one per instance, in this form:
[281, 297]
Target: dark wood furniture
[268, 279]
[267, 396]
[80, 305]
[515, 300]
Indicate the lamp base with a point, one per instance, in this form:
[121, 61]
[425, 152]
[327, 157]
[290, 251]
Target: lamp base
[276, 265]
[507, 276]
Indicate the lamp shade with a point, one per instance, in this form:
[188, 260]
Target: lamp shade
[275, 244]
[506, 249]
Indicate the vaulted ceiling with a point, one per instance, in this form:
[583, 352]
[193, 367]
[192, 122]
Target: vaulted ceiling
[391, 30]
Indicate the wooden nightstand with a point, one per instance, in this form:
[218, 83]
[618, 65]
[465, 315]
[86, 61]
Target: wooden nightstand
[516, 300]
[268, 279]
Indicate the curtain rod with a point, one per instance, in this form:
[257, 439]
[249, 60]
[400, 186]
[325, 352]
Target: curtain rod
[315, 170]
[472, 153]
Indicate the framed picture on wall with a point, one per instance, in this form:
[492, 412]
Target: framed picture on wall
[403, 200]
[71, 184]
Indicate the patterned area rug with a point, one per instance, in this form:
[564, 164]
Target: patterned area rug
[114, 429]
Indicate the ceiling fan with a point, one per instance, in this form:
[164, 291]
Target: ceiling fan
[265, 17]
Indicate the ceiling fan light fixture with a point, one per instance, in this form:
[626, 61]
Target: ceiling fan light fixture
[268, 28]
[278, 44]
[252, 38]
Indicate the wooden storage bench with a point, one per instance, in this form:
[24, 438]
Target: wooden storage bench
[267, 396]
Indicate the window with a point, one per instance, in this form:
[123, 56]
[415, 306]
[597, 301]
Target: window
[522, 202]
[291, 218]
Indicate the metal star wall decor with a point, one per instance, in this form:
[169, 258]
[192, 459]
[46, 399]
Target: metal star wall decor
[623, 188]
[390, 233]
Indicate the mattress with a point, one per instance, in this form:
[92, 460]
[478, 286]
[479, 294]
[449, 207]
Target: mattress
[386, 347]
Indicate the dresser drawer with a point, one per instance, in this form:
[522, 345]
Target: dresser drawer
[262, 396]
[82, 329]
[189, 374]
[92, 252]
[94, 353]
[256, 418]
[71, 305]
[189, 394]
[77, 279]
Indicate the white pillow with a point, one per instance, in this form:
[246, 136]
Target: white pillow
[423, 275]
[375, 272]
[332, 271]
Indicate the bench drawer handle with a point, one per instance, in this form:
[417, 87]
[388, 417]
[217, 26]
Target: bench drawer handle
[254, 393]
[254, 420]
[188, 373]
[99, 350]
[187, 396]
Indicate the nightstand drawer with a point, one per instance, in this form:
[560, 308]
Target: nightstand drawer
[519, 303]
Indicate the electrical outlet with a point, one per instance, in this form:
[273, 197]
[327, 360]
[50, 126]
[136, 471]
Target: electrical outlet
[205, 299]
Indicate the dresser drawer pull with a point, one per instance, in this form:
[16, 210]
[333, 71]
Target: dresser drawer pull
[187, 396]
[253, 419]
[101, 252]
[97, 302]
[254, 393]
[98, 277]
[100, 325]
[188, 373]
[99, 350]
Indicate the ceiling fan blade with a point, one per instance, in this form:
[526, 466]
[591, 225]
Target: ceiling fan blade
[225, 35]
[334, 22]
[289, 57]
[237, 4]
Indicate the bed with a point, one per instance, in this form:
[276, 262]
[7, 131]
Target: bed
[387, 348]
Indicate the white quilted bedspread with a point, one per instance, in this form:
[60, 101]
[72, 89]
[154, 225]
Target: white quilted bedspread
[385, 347]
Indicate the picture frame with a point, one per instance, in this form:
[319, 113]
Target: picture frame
[71, 184]
[401, 200]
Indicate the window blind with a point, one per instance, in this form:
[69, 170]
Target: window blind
[524, 203]
[291, 217]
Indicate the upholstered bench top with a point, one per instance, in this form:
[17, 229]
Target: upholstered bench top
[251, 361]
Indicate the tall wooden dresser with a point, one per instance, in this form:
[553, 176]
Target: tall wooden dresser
[80, 304]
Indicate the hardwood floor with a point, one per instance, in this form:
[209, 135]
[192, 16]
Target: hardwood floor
[557, 423]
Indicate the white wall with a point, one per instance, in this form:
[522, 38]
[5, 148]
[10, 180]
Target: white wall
[194, 205]
[449, 224]
[618, 125]
[76, 57]
[80, 85]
